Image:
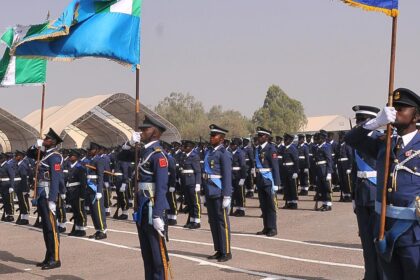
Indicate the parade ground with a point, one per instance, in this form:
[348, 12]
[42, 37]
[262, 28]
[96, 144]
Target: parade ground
[309, 245]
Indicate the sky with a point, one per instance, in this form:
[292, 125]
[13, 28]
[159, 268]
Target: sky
[323, 53]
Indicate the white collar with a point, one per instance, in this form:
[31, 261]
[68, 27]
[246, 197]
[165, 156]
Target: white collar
[288, 146]
[190, 153]
[320, 146]
[3, 163]
[150, 144]
[234, 152]
[73, 164]
[218, 147]
[49, 150]
[408, 137]
[263, 145]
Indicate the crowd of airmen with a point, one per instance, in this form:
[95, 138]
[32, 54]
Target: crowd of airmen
[184, 177]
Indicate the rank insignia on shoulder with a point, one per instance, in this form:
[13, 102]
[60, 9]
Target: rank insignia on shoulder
[57, 167]
[163, 162]
[408, 153]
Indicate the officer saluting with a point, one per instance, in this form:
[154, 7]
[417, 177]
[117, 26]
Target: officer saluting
[49, 179]
[399, 251]
[151, 200]
[267, 181]
[218, 191]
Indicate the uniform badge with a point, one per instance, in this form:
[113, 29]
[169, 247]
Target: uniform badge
[212, 164]
[408, 153]
[57, 167]
[163, 162]
[397, 95]
[262, 156]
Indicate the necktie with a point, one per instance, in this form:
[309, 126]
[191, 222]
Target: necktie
[398, 145]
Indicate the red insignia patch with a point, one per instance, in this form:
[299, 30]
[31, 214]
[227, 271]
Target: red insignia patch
[57, 167]
[163, 162]
[274, 155]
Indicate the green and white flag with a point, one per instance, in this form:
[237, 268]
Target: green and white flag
[15, 71]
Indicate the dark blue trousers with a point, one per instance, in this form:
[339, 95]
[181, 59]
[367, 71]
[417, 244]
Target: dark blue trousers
[219, 224]
[268, 205]
[50, 230]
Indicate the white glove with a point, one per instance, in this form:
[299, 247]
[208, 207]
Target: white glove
[38, 143]
[329, 177]
[197, 187]
[241, 182]
[348, 171]
[52, 206]
[98, 196]
[11, 190]
[123, 187]
[294, 176]
[126, 147]
[159, 225]
[171, 189]
[135, 138]
[253, 172]
[106, 184]
[63, 196]
[226, 201]
[353, 204]
[386, 116]
[275, 188]
[306, 170]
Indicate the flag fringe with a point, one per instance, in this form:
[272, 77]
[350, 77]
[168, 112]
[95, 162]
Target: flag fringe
[391, 13]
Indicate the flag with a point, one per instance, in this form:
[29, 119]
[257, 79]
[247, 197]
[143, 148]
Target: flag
[17, 70]
[96, 28]
[389, 7]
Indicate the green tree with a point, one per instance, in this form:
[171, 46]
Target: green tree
[237, 124]
[280, 113]
[185, 113]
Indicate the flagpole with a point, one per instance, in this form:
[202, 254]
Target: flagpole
[136, 128]
[41, 127]
[388, 128]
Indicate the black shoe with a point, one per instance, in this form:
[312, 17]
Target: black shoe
[271, 232]
[293, 206]
[10, 219]
[80, 233]
[224, 257]
[61, 229]
[325, 208]
[51, 265]
[195, 226]
[216, 256]
[100, 235]
[187, 225]
[38, 224]
[130, 205]
[263, 232]
[22, 222]
[41, 264]
[249, 195]
[123, 217]
[280, 191]
[240, 213]
[303, 193]
[311, 188]
[107, 214]
[172, 222]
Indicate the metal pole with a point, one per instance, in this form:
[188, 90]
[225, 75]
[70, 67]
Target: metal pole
[136, 128]
[388, 128]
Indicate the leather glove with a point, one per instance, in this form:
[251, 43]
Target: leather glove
[171, 189]
[11, 190]
[348, 171]
[159, 225]
[241, 182]
[52, 206]
[329, 177]
[98, 196]
[306, 170]
[294, 176]
[135, 138]
[386, 116]
[197, 187]
[226, 201]
[123, 187]
[63, 196]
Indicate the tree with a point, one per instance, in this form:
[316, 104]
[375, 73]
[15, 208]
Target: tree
[237, 124]
[280, 113]
[185, 113]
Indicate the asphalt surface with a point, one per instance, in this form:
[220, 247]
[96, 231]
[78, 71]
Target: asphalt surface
[309, 245]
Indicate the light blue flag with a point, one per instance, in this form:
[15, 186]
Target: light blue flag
[108, 29]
